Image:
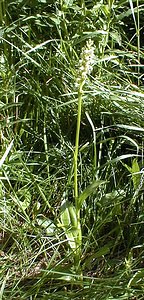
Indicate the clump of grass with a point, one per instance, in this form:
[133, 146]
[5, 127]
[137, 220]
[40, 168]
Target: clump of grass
[71, 178]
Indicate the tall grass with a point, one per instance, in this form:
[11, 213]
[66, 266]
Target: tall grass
[71, 177]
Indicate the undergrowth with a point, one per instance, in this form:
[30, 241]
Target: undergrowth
[71, 140]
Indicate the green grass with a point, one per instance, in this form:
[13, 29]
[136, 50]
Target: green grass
[71, 164]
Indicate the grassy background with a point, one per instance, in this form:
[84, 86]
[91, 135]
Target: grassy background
[40, 46]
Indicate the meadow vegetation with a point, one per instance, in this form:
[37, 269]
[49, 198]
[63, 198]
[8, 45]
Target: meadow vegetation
[72, 149]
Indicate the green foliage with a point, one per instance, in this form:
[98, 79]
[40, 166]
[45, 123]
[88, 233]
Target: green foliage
[71, 230]
[135, 171]
[69, 223]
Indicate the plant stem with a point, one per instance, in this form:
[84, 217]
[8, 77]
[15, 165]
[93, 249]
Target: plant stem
[84, 69]
[76, 194]
[80, 92]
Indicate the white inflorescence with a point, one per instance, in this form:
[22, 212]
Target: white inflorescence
[86, 62]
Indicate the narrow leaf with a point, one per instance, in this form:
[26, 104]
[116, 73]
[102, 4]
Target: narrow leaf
[135, 177]
[88, 191]
[135, 128]
[6, 153]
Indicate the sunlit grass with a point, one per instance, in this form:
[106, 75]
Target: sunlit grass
[71, 178]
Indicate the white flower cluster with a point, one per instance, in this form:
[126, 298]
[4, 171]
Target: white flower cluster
[86, 62]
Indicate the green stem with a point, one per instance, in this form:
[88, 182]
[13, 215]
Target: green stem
[76, 194]
[80, 92]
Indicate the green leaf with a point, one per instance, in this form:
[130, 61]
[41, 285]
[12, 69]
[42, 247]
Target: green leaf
[2, 160]
[69, 223]
[96, 255]
[133, 170]
[61, 273]
[121, 157]
[135, 177]
[68, 215]
[2, 288]
[88, 191]
[48, 225]
[116, 37]
[103, 251]
[127, 167]
[137, 278]
[129, 127]
[55, 19]
[131, 141]
[68, 2]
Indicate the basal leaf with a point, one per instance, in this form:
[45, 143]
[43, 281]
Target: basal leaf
[69, 223]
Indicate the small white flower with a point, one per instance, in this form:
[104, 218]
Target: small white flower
[86, 62]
